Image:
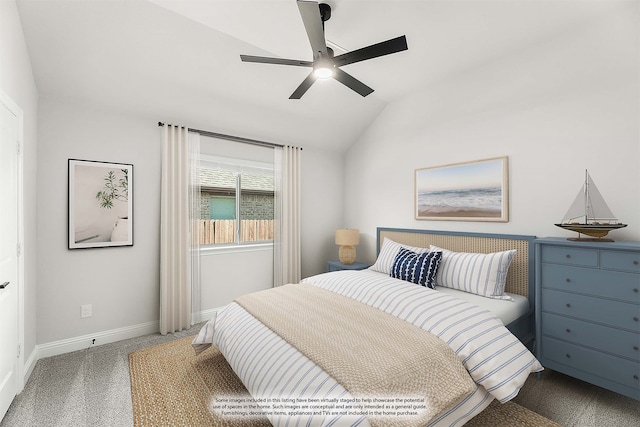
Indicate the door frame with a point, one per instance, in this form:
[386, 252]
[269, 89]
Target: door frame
[17, 111]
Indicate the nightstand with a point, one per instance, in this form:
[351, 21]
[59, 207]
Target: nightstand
[337, 266]
[588, 311]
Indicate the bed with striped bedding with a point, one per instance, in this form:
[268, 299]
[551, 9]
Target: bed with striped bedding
[269, 367]
[519, 282]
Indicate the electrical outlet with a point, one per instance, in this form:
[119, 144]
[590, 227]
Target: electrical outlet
[85, 311]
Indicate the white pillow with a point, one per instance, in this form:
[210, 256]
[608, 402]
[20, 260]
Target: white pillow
[480, 274]
[388, 253]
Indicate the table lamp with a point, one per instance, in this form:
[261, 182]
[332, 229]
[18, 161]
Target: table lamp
[347, 239]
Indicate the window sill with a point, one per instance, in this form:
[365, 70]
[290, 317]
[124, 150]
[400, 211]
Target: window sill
[231, 249]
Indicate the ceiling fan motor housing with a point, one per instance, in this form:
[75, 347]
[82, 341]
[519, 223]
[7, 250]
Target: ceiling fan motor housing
[325, 11]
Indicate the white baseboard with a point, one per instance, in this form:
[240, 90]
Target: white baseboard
[206, 315]
[85, 341]
[29, 364]
[69, 345]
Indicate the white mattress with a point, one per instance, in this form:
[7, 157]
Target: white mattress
[505, 310]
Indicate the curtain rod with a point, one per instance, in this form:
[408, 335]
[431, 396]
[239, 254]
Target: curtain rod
[232, 138]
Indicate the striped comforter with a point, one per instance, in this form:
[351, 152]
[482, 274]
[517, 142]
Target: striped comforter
[269, 367]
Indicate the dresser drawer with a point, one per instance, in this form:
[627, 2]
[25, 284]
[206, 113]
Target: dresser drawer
[623, 261]
[606, 312]
[622, 371]
[570, 256]
[604, 283]
[604, 338]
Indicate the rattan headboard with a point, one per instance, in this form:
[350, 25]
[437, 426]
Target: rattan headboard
[520, 277]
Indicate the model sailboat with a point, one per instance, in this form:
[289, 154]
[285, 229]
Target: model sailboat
[590, 215]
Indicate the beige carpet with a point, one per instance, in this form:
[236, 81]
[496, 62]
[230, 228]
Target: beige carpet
[171, 386]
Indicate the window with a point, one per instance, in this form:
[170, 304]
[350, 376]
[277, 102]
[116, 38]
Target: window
[236, 199]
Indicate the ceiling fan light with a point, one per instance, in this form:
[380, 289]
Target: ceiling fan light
[323, 72]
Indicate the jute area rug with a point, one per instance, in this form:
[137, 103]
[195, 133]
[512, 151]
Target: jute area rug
[171, 386]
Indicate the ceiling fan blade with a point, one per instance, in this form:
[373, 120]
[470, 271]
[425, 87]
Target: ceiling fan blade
[304, 86]
[397, 44]
[279, 61]
[351, 82]
[310, 13]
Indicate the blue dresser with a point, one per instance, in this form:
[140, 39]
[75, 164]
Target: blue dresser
[588, 311]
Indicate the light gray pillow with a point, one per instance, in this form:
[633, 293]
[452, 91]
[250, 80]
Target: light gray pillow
[477, 273]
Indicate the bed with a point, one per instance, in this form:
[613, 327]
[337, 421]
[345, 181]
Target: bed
[520, 284]
[351, 370]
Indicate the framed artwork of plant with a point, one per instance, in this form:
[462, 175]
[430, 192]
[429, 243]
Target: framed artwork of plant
[100, 204]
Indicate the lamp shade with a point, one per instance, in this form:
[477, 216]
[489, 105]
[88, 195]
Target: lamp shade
[347, 237]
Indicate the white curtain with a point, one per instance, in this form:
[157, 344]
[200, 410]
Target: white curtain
[286, 245]
[177, 265]
[195, 214]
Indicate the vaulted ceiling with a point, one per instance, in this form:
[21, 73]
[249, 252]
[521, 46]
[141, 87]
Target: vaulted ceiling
[179, 60]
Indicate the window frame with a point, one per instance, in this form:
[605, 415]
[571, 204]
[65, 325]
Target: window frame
[237, 166]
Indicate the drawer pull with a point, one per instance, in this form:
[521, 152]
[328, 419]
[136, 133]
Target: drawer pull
[568, 256]
[635, 290]
[568, 330]
[635, 319]
[568, 280]
[635, 262]
[635, 347]
[568, 305]
[635, 377]
[568, 356]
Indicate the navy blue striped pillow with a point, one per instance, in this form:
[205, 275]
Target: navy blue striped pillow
[416, 268]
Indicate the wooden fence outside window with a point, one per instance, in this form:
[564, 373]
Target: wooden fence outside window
[217, 231]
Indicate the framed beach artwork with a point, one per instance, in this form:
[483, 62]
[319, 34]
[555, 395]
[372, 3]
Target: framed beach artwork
[471, 191]
[100, 204]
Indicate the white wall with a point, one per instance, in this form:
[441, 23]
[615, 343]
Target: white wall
[322, 208]
[228, 274]
[555, 108]
[122, 283]
[17, 82]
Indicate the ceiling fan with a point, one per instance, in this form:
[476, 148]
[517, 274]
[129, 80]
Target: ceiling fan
[324, 64]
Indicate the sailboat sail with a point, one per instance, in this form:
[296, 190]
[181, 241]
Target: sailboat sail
[597, 209]
[589, 206]
[576, 212]
[589, 213]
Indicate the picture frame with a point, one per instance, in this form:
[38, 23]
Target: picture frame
[470, 191]
[100, 204]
